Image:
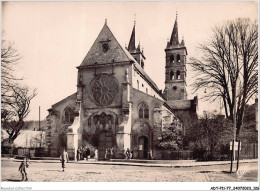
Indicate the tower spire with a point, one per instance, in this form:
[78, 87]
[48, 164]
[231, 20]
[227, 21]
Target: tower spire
[131, 45]
[175, 37]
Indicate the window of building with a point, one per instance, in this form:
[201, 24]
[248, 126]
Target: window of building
[178, 75]
[172, 58]
[171, 75]
[142, 85]
[137, 84]
[178, 58]
[69, 115]
[143, 111]
[146, 90]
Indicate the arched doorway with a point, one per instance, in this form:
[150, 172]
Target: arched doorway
[143, 147]
[105, 140]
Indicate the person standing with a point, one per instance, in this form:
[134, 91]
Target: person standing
[81, 153]
[106, 154]
[78, 154]
[109, 153]
[87, 153]
[96, 153]
[150, 154]
[127, 153]
[131, 154]
[22, 168]
[112, 153]
[64, 157]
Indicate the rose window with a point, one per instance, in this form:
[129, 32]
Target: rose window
[104, 89]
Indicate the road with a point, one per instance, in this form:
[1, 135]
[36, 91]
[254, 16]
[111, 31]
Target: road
[52, 172]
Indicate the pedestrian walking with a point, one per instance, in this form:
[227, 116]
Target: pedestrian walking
[64, 157]
[22, 168]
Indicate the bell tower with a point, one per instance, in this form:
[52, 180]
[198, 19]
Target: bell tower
[175, 68]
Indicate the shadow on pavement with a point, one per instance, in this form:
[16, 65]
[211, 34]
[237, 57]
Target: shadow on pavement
[206, 171]
[226, 172]
[14, 180]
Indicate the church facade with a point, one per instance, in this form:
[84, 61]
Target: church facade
[116, 103]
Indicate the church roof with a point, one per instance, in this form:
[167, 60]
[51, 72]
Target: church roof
[98, 52]
[145, 75]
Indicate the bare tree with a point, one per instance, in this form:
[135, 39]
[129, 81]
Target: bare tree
[21, 103]
[9, 58]
[229, 65]
[15, 98]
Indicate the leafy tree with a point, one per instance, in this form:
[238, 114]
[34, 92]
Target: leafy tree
[172, 136]
[210, 133]
[228, 67]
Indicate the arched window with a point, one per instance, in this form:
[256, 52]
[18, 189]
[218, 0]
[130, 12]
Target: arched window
[69, 115]
[137, 84]
[172, 58]
[143, 111]
[178, 75]
[178, 58]
[146, 90]
[171, 75]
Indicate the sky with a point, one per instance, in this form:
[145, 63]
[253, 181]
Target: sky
[54, 37]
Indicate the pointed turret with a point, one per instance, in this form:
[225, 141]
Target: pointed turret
[182, 42]
[136, 51]
[131, 45]
[138, 47]
[174, 37]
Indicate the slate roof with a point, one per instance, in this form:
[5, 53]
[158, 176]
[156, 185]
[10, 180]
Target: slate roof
[96, 53]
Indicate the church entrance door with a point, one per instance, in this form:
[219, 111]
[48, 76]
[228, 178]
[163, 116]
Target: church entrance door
[105, 141]
[143, 147]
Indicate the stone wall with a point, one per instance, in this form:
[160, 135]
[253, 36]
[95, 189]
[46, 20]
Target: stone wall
[56, 133]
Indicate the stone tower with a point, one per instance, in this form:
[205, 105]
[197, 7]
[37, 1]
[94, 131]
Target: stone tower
[175, 69]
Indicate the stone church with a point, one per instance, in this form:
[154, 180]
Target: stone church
[116, 103]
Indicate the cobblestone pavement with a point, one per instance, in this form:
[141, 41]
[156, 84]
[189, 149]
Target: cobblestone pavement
[52, 172]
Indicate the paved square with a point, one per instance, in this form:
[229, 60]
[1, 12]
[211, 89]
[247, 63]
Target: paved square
[78, 172]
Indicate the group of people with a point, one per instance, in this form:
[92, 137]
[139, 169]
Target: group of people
[128, 154]
[83, 153]
[109, 153]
